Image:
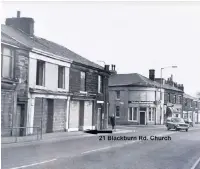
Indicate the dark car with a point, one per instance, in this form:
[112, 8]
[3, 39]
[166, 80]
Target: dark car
[189, 121]
[177, 124]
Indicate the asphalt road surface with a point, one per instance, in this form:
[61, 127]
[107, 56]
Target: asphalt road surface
[181, 152]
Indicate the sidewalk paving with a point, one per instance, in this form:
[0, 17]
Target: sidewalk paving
[49, 137]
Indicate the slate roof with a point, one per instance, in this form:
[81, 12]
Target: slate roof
[135, 79]
[189, 97]
[8, 40]
[46, 45]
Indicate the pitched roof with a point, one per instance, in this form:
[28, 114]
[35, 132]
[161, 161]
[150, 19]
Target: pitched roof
[169, 87]
[135, 79]
[8, 40]
[190, 97]
[46, 45]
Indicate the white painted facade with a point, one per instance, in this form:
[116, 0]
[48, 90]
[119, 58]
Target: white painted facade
[51, 83]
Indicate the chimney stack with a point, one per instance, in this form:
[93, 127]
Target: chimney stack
[106, 68]
[22, 23]
[152, 74]
[18, 14]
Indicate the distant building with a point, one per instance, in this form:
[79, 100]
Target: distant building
[191, 108]
[135, 99]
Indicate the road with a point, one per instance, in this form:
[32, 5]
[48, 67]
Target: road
[181, 152]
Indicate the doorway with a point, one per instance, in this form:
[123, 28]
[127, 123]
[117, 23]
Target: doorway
[142, 117]
[20, 115]
[50, 113]
[99, 118]
[81, 115]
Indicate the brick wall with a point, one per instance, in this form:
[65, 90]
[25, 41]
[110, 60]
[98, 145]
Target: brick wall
[91, 79]
[6, 111]
[21, 71]
[172, 93]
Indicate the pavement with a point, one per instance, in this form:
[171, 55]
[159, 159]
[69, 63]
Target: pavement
[96, 152]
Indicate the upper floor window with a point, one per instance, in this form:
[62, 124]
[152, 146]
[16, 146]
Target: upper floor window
[61, 77]
[179, 99]
[82, 81]
[169, 99]
[40, 74]
[100, 84]
[175, 101]
[186, 102]
[7, 56]
[118, 94]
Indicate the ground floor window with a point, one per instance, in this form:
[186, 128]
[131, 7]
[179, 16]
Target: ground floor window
[132, 114]
[152, 114]
[117, 111]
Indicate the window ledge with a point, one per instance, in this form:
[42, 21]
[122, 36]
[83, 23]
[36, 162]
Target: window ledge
[62, 90]
[40, 87]
[83, 92]
[133, 120]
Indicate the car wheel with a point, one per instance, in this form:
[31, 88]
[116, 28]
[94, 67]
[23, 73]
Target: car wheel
[168, 128]
[186, 130]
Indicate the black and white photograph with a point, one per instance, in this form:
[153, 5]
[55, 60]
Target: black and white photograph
[100, 84]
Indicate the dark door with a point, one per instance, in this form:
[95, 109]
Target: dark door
[22, 121]
[142, 117]
[50, 111]
[81, 115]
[17, 122]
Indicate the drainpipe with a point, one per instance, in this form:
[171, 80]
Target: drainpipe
[67, 114]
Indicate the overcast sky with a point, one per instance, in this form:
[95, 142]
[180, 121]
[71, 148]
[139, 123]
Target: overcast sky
[135, 36]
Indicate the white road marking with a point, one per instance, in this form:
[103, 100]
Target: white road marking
[34, 164]
[196, 163]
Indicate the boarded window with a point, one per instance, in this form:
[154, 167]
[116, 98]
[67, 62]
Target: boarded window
[61, 77]
[7, 62]
[40, 74]
[82, 81]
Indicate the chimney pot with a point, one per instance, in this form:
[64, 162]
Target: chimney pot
[18, 14]
[152, 74]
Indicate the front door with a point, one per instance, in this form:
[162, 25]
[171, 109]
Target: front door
[81, 115]
[50, 117]
[18, 121]
[142, 117]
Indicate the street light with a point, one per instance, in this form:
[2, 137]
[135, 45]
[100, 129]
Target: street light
[161, 87]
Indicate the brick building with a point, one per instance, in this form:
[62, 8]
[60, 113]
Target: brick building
[191, 108]
[14, 85]
[66, 92]
[135, 99]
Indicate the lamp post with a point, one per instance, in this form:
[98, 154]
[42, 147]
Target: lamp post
[161, 88]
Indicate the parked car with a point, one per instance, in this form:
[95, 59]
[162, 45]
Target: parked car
[189, 121]
[177, 124]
